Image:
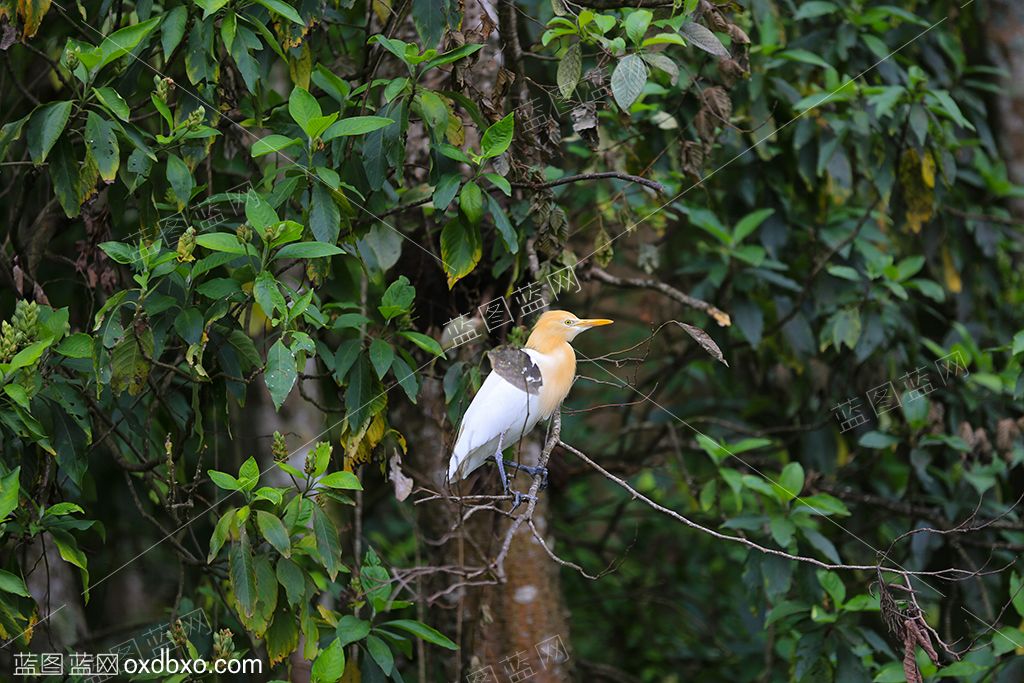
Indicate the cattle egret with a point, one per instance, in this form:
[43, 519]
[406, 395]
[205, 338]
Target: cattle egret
[525, 386]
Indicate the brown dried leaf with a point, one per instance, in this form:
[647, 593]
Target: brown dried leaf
[717, 101]
[705, 341]
[402, 483]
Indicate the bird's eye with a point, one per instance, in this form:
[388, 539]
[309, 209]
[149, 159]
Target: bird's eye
[568, 322]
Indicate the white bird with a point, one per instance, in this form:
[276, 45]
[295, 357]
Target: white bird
[524, 387]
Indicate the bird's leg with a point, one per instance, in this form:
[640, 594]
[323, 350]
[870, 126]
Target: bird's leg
[501, 465]
[517, 497]
[533, 471]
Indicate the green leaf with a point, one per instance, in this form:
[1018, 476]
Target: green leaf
[69, 551]
[324, 215]
[405, 377]
[430, 18]
[749, 223]
[275, 533]
[352, 629]
[280, 374]
[249, 474]
[498, 137]
[341, 480]
[10, 485]
[453, 56]
[308, 250]
[500, 182]
[445, 191]
[123, 41]
[303, 107]
[78, 345]
[397, 298]
[327, 545]
[833, 585]
[703, 38]
[273, 143]
[381, 654]
[381, 355]
[291, 577]
[11, 583]
[637, 23]
[224, 480]
[210, 7]
[110, 99]
[65, 173]
[330, 664]
[423, 632]
[461, 249]
[221, 532]
[628, 81]
[791, 482]
[172, 30]
[471, 201]
[221, 241]
[180, 178]
[504, 225]
[356, 125]
[129, 365]
[242, 573]
[284, 9]
[428, 344]
[258, 212]
[45, 127]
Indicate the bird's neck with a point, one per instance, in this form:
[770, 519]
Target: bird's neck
[558, 369]
[559, 351]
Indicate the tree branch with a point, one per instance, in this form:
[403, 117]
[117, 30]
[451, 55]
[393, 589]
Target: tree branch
[646, 182]
[720, 316]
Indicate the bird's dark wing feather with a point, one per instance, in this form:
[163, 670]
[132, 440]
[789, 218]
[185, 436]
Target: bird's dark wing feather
[517, 368]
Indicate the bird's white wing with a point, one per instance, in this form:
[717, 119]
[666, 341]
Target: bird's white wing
[502, 407]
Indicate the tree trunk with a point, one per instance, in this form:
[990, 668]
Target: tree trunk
[1005, 34]
[516, 628]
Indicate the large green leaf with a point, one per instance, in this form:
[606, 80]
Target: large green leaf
[461, 249]
[101, 142]
[10, 486]
[281, 373]
[273, 530]
[179, 176]
[498, 136]
[243, 574]
[329, 665]
[45, 127]
[123, 41]
[324, 215]
[328, 546]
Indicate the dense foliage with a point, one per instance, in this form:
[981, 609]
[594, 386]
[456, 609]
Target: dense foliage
[223, 217]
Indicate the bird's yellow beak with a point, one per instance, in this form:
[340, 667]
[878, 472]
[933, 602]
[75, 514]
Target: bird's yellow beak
[595, 322]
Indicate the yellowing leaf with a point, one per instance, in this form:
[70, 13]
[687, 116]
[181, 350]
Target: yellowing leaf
[917, 192]
[928, 170]
[949, 272]
[32, 13]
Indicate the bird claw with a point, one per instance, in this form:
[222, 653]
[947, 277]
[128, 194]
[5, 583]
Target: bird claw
[532, 470]
[518, 498]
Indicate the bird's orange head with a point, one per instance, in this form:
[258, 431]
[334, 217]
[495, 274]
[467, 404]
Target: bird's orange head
[556, 327]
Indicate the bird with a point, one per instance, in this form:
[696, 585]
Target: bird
[524, 386]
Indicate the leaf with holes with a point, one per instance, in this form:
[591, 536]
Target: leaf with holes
[628, 81]
[569, 70]
[703, 38]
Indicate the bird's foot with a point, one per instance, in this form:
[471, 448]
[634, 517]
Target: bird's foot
[533, 471]
[518, 498]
